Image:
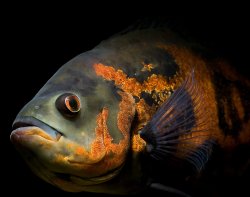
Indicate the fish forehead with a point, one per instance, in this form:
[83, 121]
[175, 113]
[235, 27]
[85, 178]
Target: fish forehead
[76, 75]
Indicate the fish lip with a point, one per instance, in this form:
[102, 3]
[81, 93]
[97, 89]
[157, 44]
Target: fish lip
[28, 121]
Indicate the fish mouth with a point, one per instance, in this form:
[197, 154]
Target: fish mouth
[26, 125]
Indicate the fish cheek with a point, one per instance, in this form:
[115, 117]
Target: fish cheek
[114, 150]
[116, 127]
[105, 121]
[117, 150]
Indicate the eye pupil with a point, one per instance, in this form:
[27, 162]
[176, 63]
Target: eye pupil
[68, 104]
[72, 103]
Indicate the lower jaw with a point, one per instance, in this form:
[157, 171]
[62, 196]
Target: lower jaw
[71, 183]
[64, 181]
[67, 182]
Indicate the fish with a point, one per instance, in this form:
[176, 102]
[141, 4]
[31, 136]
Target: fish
[140, 108]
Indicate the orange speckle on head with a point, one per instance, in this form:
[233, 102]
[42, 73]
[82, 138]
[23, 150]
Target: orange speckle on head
[79, 151]
[144, 111]
[155, 82]
[138, 144]
[124, 120]
[147, 67]
[108, 72]
[130, 85]
[98, 146]
[126, 113]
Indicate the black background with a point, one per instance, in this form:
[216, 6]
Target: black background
[36, 46]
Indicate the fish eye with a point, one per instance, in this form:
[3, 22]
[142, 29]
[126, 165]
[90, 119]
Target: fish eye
[68, 104]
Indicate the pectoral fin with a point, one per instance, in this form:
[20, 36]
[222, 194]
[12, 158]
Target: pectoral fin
[181, 126]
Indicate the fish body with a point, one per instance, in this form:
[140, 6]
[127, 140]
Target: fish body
[143, 102]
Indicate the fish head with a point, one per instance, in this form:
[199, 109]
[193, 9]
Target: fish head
[75, 133]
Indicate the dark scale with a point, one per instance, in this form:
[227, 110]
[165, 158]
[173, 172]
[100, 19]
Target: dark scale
[245, 98]
[223, 92]
[148, 98]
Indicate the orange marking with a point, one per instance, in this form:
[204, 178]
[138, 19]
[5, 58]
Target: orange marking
[138, 144]
[144, 111]
[129, 85]
[79, 151]
[147, 67]
[98, 147]
[116, 153]
[157, 83]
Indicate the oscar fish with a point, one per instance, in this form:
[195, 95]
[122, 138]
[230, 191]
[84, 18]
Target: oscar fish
[122, 117]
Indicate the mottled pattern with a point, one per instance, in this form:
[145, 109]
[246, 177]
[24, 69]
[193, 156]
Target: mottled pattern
[232, 96]
[122, 84]
[155, 88]
[229, 118]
